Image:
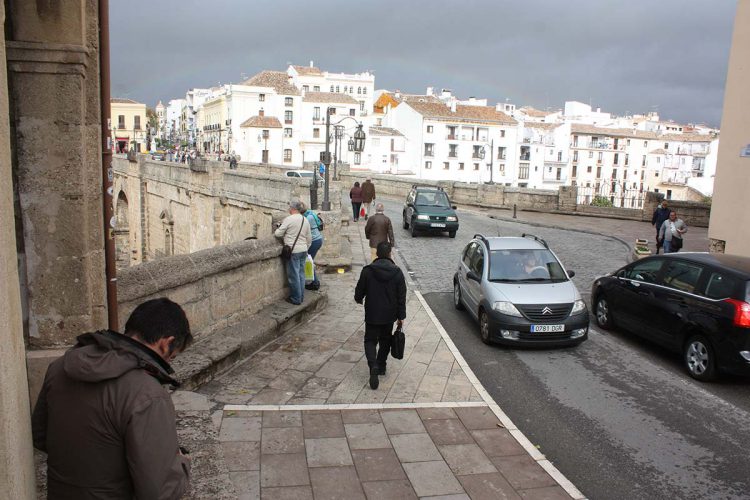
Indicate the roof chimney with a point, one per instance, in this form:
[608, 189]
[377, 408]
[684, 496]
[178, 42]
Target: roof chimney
[429, 91]
[445, 93]
[397, 95]
[311, 64]
[453, 106]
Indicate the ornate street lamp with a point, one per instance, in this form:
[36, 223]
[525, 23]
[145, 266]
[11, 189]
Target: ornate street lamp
[359, 146]
[351, 144]
[482, 155]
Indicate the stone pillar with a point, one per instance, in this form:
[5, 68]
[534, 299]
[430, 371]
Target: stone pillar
[567, 198]
[16, 456]
[53, 64]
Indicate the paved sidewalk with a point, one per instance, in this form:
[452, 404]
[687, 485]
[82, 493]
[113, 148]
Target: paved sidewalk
[298, 419]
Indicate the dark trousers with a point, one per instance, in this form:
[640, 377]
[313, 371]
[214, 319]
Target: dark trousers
[355, 209]
[658, 241]
[380, 336]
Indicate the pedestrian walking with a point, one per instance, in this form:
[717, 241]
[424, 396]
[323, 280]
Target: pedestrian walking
[379, 229]
[104, 419]
[316, 226]
[355, 194]
[295, 232]
[368, 196]
[383, 288]
[671, 233]
[660, 215]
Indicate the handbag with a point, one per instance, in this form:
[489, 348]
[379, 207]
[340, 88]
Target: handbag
[286, 250]
[398, 341]
[676, 243]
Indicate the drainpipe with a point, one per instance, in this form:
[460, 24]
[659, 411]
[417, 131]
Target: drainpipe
[107, 172]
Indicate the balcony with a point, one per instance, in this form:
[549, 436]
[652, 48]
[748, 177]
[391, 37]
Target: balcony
[525, 157]
[453, 154]
[451, 137]
[288, 122]
[429, 153]
[476, 156]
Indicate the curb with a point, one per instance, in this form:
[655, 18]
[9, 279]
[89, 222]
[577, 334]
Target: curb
[535, 454]
[219, 352]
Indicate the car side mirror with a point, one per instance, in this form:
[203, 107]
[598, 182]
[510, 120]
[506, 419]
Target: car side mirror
[473, 276]
[571, 274]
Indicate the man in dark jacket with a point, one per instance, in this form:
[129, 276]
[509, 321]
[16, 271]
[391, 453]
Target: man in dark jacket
[657, 220]
[368, 196]
[103, 418]
[383, 283]
[379, 229]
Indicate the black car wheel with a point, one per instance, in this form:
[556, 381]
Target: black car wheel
[699, 358]
[484, 326]
[405, 224]
[457, 296]
[603, 313]
[452, 234]
[413, 230]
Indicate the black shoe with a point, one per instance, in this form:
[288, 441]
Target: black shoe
[310, 286]
[381, 371]
[374, 382]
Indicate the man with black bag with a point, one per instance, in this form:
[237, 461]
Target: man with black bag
[383, 283]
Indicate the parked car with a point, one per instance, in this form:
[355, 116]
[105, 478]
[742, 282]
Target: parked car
[519, 292]
[697, 304]
[303, 174]
[428, 209]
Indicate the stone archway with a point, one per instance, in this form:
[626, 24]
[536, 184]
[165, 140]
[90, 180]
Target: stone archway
[122, 231]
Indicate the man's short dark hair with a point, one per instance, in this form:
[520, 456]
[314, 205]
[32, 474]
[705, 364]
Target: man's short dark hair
[160, 318]
[384, 250]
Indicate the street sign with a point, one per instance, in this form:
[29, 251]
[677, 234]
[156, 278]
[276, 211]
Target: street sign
[325, 157]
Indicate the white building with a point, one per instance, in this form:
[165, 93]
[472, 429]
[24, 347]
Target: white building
[173, 119]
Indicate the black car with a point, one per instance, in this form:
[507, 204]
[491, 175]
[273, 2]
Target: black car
[697, 304]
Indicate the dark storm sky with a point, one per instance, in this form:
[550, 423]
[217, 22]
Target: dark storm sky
[625, 56]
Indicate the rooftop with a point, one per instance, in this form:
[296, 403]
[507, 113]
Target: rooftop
[331, 97]
[277, 80]
[308, 71]
[262, 122]
[385, 131]
[475, 114]
[121, 100]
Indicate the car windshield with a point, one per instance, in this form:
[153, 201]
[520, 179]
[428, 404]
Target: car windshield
[305, 174]
[432, 198]
[525, 266]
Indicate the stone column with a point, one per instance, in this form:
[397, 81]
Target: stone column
[16, 458]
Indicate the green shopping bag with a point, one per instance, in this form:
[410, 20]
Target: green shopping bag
[309, 269]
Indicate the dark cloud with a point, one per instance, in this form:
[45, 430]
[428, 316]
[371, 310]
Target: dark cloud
[620, 55]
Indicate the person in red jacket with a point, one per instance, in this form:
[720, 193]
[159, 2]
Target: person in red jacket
[355, 194]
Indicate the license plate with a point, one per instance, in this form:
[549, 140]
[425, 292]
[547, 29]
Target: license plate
[547, 328]
[437, 224]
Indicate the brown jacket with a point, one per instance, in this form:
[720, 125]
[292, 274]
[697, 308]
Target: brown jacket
[368, 191]
[379, 228]
[108, 425]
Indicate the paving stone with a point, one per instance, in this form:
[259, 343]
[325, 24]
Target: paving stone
[366, 436]
[361, 416]
[327, 452]
[336, 483]
[522, 472]
[377, 465]
[402, 421]
[491, 485]
[461, 496]
[282, 440]
[287, 493]
[415, 448]
[389, 490]
[283, 470]
[318, 387]
[466, 459]
[456, 393]
[478, 418]
[241, 455]
[246, 484]
[241, 413]
[190, 401]
[548, 493]
[432, 478]
[272, 397]
[240, 429]
[347, 356]
[322, 425]
[436, 413]
[282, 419]
[440, 368]
[448, 431]
[290, 380]
[336, 370]
[497, 442]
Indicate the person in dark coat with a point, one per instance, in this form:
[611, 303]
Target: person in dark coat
[379, 228]
[368, 196]
[355, 194]
[661, 214]
[383, 288]
[103, 418]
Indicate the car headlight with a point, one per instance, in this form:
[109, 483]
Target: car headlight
[451, 218]
[506, 308]
[423, 217]
[578, 306]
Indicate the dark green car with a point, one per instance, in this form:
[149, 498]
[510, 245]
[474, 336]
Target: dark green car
[428, 209]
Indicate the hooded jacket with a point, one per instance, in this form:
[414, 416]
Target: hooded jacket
[107, 424]
[384, 286]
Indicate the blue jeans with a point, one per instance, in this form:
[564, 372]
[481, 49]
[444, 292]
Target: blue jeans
[313, 250]
[295, 273]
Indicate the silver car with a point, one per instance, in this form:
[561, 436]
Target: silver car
[519, 292]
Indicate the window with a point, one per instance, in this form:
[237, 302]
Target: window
[265, 134]
[501, 153]
[121, 122]
[523, 172]
[477, 153]
[644, 270]
[617, 158]
[306, 88]
[316, 88]
[361, 105]
[628, 142]
[287, 155]
[598, 172]
[591, 154]
[643, 161]
[446, 165]
[430, 128]
[502, 133]
[359, 90]
[625, 175]
[720, 286]
[682, 275]
[643, 173]
[614, 173]
[364, 90]
[501, 168]
[575, 141]
[352, 111]
[288, 101]
[452, 150]
[666, 145]
[461, 166]
[476, 166]
[559, 156]
[261, 97]
[645, 144]
[588, 169]
[471, 248]
[477, 261]
[429, 149]
[287, 132]
[575, 155]
[287, 117]
[658, 159]
[428, 164]
[357, 158]
[627, 159]
[337, 89]
[316, 133]
[316, 113]
[575, 171]
[331, 111]
[601, 157]
[332, 88]
[137, 122]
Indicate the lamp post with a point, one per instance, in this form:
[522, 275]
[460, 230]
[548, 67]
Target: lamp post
[482, 155]
[359, 146]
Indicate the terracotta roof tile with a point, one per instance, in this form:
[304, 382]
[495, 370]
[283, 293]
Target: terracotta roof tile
[474, 114]
[308, 70]
[578, 128]
[544, 126]
[529, 111]
[277, 80]
[262, 122]
[120, 100]
[331, 97]
[387, 131]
